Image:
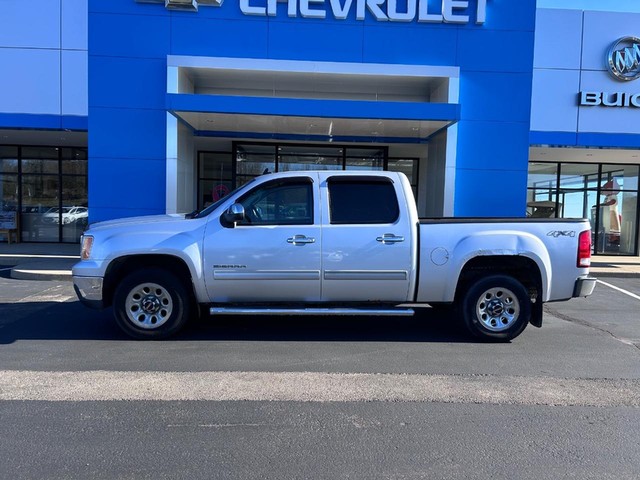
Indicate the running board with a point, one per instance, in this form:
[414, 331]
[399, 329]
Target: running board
[345, 312]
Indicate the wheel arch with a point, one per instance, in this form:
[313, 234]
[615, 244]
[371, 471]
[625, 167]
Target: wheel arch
[520, 267]
[120, 267]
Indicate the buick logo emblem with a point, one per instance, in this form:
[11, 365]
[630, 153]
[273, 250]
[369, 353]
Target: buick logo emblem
[623, 59]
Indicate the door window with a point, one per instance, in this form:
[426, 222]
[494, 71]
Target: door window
[362, 201]
[288, 202]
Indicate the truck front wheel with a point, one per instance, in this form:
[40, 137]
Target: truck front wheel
[151, 304]
[496, 308]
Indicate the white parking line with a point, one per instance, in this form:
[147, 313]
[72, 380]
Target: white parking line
[621, 290]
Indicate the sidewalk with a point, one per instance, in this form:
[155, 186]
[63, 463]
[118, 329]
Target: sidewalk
[53, 261]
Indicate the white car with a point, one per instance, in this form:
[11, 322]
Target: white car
[69, 215]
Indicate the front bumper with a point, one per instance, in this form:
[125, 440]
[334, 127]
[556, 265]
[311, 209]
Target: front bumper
[89, 291]
[584, 286]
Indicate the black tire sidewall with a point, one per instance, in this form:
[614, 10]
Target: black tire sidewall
[175, 288]
[471, 297]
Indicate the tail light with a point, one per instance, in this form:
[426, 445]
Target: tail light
[584, 249]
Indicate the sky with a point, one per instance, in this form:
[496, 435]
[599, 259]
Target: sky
[608, 5]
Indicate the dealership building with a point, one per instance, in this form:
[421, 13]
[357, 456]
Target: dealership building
[492, 108]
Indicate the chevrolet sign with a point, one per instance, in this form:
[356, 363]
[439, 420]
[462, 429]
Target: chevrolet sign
[448, 11]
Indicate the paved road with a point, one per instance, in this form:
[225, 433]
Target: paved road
[318, 398]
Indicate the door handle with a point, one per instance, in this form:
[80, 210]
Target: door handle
[300, 240]
[390, 238]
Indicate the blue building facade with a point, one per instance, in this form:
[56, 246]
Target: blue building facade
[180, 98]
[491, 107]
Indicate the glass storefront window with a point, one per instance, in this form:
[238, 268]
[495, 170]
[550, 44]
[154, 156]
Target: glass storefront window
[542, 175]
[41, 211]
[606, 194]
[47, 186]
[578, 176]
[288, 163]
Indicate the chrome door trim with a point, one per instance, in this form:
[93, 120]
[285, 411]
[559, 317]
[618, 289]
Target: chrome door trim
[268, 275]
[365, 275]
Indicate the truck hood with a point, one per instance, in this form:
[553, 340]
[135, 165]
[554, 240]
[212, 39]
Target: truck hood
[145, 220]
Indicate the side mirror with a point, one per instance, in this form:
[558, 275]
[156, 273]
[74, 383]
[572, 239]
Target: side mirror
[234, 214]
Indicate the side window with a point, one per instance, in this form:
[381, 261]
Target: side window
[362, 201]
[282, 202]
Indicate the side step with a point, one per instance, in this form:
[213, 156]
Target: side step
[345, 312]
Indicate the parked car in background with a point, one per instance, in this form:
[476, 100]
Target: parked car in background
[69, 215]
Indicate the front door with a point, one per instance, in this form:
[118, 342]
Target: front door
[273, 255]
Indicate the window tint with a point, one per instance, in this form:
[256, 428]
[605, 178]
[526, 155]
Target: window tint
[279, 203]
[362, 201]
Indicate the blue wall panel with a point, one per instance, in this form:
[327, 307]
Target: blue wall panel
[128, 183]
[409, 44]
[129, 35]
[315, 41]
[218, 38]
[478, 151]
[514, 51]
[496, 96]
[490, 193]
[127, 133]
[132, 82]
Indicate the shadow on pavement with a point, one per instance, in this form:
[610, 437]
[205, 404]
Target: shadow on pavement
[72, 321]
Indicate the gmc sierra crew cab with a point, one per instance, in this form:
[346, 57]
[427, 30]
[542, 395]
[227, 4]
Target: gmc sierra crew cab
[330, 243]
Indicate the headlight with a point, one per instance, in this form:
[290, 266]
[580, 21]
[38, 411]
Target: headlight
[87, 243]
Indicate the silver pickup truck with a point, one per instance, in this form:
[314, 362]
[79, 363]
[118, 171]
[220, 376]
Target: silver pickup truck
[330, 243]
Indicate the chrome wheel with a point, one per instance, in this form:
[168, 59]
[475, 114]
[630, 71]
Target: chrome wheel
[497, 309]
[148, 306]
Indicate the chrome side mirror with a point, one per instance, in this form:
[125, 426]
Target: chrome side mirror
[234, 214]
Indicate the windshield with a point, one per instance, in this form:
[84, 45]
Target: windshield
[210, 208]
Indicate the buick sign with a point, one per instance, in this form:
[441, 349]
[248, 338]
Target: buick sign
[624, 59]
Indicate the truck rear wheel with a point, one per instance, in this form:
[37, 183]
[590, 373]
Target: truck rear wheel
[496, 308]
[151, 304]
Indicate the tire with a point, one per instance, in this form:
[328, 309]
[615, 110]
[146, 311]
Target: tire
[151, 304]
[496, 308]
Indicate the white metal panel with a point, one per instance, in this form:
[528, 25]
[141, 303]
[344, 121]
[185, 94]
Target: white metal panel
[75, 94]
[30, 82]
[601, 30]
[608, 119]
[30, 24]
[558, 41]
[75, 18]
[554, 105]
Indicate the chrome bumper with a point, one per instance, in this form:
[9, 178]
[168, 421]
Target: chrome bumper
[89, 290]
[584, 286]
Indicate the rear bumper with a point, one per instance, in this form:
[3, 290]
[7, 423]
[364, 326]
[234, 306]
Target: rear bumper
[584, 286]
[89, 291]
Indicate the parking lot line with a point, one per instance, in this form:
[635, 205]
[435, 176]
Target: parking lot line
[621, 290]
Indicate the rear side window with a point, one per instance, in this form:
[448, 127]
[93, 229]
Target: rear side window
[362, 200]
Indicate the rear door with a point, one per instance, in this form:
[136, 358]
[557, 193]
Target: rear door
[366, 240]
